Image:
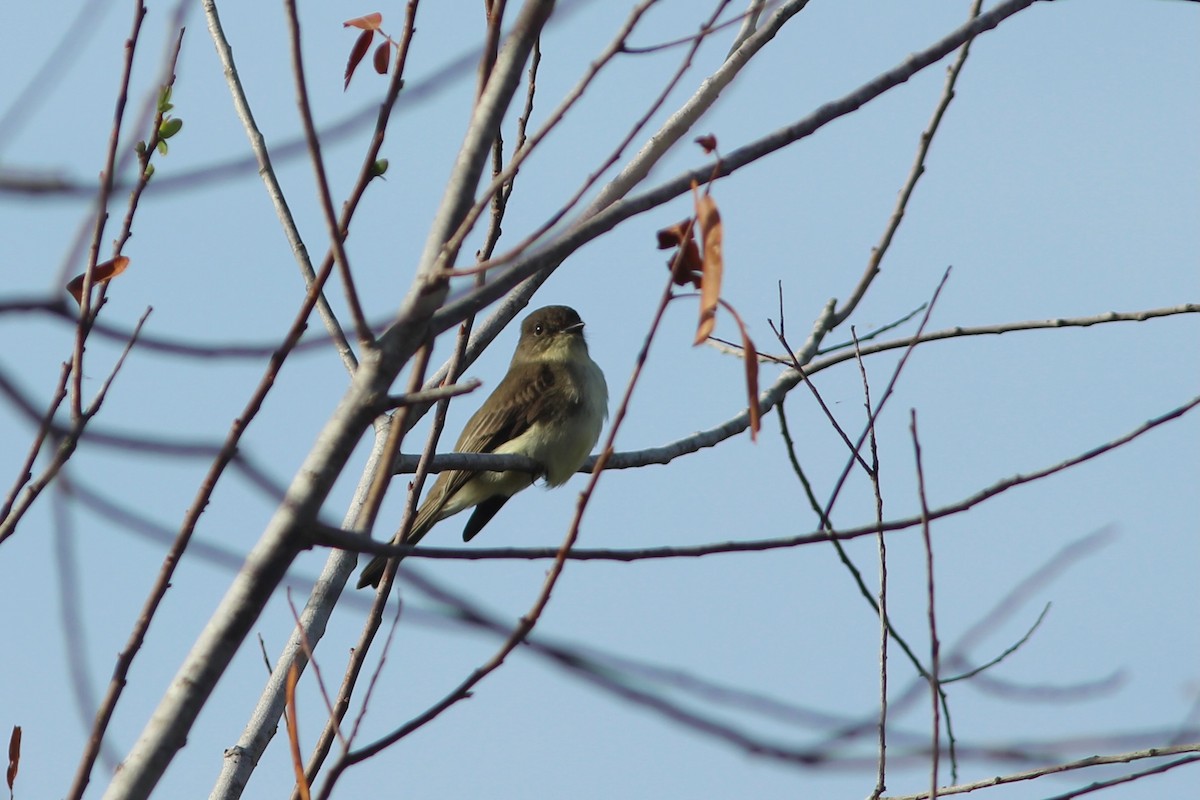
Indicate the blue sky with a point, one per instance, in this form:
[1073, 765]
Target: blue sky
[1064, 182]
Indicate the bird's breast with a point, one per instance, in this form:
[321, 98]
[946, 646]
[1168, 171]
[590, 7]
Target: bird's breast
[562, 444]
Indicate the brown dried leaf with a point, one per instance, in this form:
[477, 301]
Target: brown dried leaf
[685, 264]
[383, 57]
[14, 756]
[103, 273]
[750, 359]
[361, 45]
[708, 142]
[713, 264]
[674, 235]
[370, 22]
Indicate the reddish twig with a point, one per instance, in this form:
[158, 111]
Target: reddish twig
[67, 442]
[337, 230]
[101, 210]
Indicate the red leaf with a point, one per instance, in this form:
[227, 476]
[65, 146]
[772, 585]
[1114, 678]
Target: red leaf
[370, 22]
[383, 56]
[103, 273]
[685, 265]
[361, 45]
[708, 142]
[14, 756]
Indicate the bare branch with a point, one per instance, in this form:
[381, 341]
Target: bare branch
[86, 312]
[1040, 772]
[711, 437]
[882, 604]
[918, 169]
[758, 545]
[262, 159]
[595, 222]
[432, 395]
[26, 489]
[936, 696]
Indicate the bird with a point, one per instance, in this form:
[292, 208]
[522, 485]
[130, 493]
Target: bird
[550, 406]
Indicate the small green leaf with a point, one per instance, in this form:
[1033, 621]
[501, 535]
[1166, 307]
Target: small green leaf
[379, 168]
[149, 173]
[169, 127]
[164, 100]
[140, 148]
[162, 146]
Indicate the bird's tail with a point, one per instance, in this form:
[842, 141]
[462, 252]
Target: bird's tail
[372, 573]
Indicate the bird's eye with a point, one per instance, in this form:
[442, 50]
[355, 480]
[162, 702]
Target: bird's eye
[538, 330]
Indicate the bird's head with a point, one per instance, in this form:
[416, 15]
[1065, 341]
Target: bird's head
[553, 332]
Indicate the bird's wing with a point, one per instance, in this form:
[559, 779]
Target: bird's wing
[485, 431]
[489, 428]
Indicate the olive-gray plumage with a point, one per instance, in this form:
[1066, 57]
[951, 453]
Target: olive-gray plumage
[550, 406]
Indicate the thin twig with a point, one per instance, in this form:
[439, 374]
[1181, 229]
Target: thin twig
[380, 481]
[795, 365]
[1008, 651]
[266, 170]
[735, 349]
[881, 545]
[80, 417]
[887, 393]
[734, 426]
[855, 448]
[1040, 772]
[25, 474]
[101, 211]
[67, 440]
[227, 454]
[312, 662]
[706, 30]
[1129, 778]
[337, 233]
[426, 396]
[530, 144]
[935, 695]
[914, 175]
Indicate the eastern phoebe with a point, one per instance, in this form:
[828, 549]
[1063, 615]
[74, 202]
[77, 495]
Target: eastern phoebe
[549, 407]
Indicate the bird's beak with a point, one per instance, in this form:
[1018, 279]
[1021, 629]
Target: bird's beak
[576, 328]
